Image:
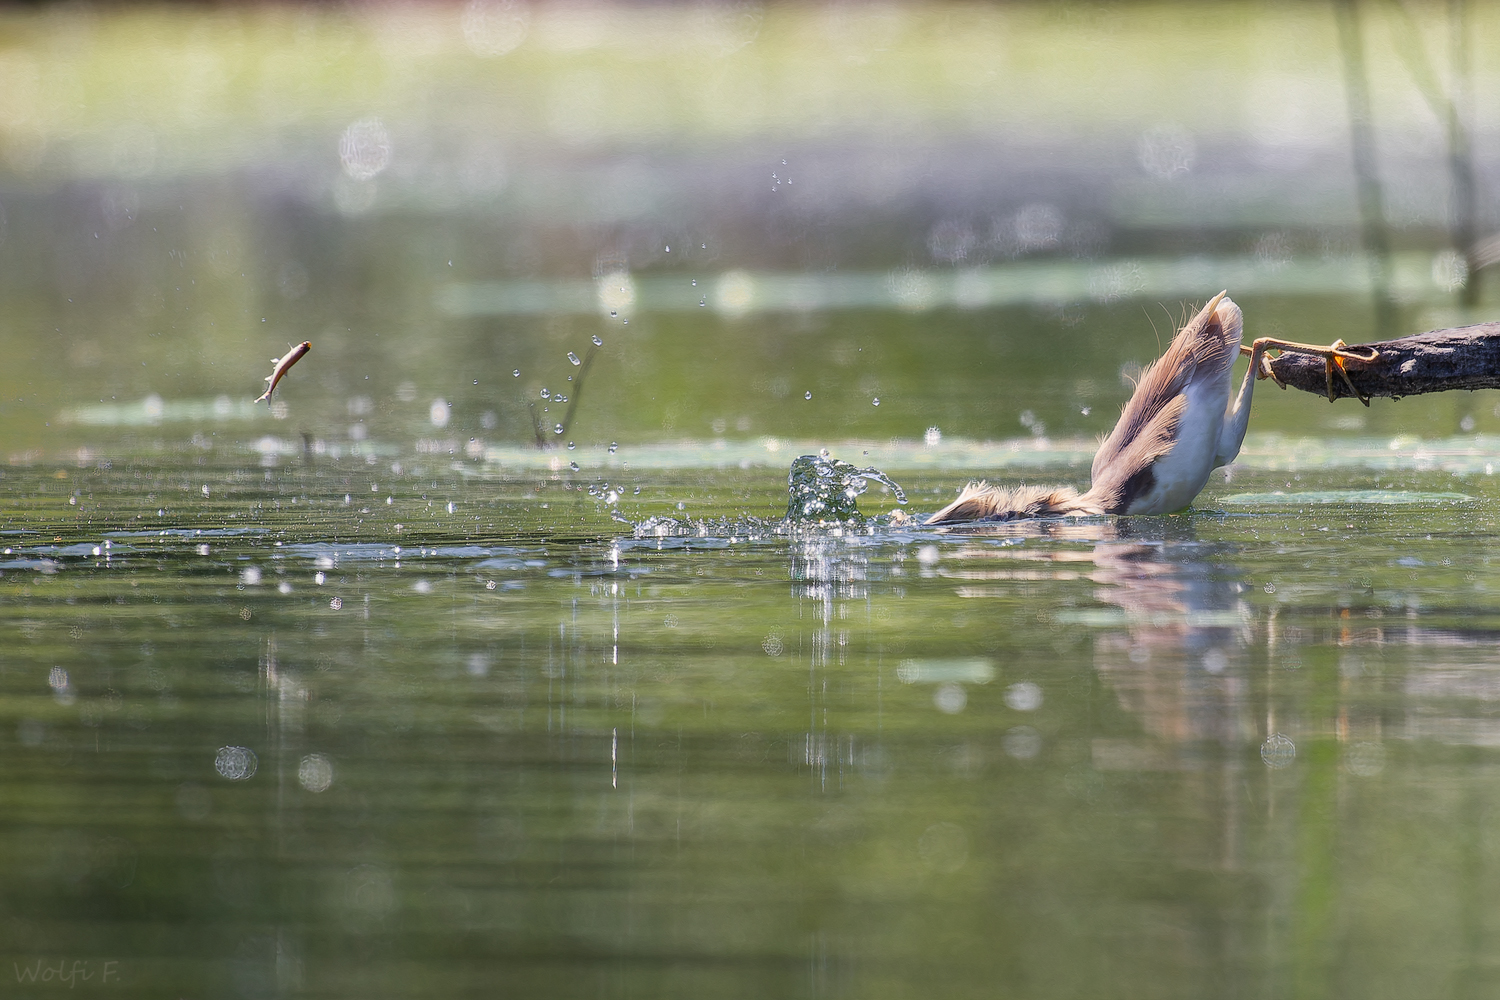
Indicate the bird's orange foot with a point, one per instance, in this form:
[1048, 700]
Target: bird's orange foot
[1333, 356]
[1335, 359]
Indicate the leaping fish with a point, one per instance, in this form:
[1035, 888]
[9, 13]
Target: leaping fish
[283, 365]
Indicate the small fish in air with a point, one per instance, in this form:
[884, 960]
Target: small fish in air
[283, 365]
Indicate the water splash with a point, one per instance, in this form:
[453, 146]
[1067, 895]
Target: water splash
[824, 489]
[711, 533]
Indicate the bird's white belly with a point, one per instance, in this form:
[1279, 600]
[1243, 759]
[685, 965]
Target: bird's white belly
[1180, 473]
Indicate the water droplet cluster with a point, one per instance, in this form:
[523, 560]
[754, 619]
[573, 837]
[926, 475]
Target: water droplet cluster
[823, 489]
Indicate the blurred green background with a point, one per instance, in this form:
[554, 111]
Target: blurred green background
[985, 217]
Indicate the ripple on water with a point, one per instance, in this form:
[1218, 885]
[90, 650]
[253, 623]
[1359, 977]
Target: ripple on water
[379, 551]
[188, 533]
[45, 565]
[85, 549]
[1378, 497]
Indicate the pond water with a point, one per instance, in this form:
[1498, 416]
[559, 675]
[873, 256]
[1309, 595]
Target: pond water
[482, 661]
[323, 730]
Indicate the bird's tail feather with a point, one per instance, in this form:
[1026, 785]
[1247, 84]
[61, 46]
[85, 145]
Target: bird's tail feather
[983, 502]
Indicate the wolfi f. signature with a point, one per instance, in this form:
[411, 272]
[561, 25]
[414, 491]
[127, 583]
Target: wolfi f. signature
[69, 973]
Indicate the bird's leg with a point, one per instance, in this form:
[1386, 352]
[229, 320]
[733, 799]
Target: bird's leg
[1333, 356]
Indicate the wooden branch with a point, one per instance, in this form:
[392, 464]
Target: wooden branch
[1466, 357]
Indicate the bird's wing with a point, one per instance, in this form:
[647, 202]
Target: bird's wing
[1128, 474]
[1206, 344]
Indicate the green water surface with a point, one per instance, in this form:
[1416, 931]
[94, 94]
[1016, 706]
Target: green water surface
[475, 737]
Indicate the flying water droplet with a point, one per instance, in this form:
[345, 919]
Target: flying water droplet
[613, 447]
[808, 395]
[517, 373]
[558, 429]
[695, 282]
[875, 401]
[476, 381]
[1278, 751]
[573, 466]
[546, 393]
[613, 314]
[571, 446]
[598, 341]
[669, 249]
[573, 359]
[703, 301]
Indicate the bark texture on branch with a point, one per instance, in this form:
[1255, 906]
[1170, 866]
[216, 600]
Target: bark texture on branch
[1466, 357]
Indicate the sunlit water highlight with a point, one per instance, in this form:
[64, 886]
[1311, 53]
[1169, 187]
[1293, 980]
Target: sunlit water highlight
[739, 293]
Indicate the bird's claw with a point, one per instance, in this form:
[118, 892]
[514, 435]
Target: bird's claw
[1266, 371]
[1337, 352]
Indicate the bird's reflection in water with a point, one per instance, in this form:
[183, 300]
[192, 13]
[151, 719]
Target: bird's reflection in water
[1172, 644]
[1179, 663]
[1171, 636]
